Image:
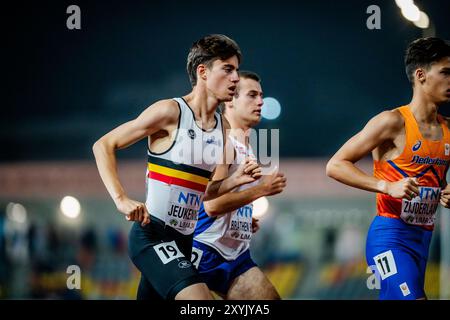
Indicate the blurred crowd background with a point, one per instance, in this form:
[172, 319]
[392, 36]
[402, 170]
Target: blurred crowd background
[66, 88]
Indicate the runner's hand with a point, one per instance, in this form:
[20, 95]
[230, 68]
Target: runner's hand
[255, 225]
[407, 188]
[248, 171]
[133, 210]
[445, 197]
[273, 183]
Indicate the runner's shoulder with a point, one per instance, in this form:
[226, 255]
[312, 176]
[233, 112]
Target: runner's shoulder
[390, 120]
[166, 109]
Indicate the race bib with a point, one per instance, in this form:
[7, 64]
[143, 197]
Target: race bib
[422, 209]
[182, 210]
[196, 256]
[168, 251]
[385, 264]
[240, 227]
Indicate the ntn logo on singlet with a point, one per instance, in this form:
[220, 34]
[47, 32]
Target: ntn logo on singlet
[190, 199]
[429, 193]
[245, 211]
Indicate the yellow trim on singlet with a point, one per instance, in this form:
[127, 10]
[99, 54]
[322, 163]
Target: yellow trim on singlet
[177, 174]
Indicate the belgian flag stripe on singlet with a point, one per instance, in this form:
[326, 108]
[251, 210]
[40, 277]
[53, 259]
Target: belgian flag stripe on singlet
[169, 172]
[176, 173]
[176, 181]
[180, 167]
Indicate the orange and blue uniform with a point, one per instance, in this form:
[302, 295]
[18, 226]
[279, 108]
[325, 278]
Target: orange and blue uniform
[399, 236]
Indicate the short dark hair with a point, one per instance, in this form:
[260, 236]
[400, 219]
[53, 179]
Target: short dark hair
[207, 50]
[243, 74]
[423, 52]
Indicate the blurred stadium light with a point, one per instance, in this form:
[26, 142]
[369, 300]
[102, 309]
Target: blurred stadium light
[420, 19]
[70, 207]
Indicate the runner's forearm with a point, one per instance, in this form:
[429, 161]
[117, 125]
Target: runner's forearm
[346, 172]
[217, 188]
[107, 168]
[232, 201]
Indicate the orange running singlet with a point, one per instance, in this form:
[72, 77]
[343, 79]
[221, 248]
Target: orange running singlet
[428, 161]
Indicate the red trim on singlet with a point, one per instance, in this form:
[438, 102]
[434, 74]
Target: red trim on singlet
[177, 181]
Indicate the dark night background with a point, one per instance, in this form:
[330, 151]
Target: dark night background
[63, 88]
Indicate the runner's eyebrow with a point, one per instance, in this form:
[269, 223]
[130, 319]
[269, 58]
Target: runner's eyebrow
[228, 65]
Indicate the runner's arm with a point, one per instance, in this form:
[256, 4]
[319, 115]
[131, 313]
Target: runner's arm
[221, 183]
[268, 185]
[232, 201]
[151, 120]
[341, 166]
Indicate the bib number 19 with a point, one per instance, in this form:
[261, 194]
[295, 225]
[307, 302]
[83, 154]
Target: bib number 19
[168, 251]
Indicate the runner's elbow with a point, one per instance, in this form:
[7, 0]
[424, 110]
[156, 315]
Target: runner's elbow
[102, 145]
[210, 209]
[332, 168]
[99, 147]
[96, 146]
